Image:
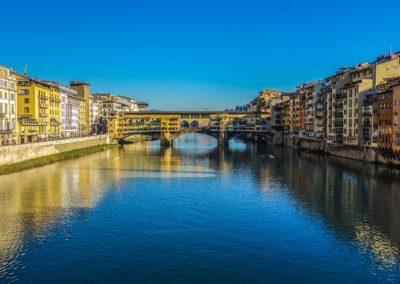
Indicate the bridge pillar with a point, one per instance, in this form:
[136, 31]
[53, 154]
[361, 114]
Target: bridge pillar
[223, 139]
[166, 143]
[166, 140]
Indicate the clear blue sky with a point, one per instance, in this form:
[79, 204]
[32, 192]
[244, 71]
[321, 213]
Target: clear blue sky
[194, 54]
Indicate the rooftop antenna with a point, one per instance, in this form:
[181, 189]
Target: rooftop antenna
[26, 69]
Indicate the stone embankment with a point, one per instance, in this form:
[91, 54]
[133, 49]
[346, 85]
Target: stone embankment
[19, 153]
[364, 154]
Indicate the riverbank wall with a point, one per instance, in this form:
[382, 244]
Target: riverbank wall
[365, 154]
[19, 153]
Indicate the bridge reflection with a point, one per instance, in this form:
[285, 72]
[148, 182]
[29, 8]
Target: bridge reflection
[357, 201]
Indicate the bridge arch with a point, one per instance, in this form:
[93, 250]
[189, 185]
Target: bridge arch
[194, 124]
[185, 124]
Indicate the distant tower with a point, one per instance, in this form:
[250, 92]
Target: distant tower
[26, 69]
[390, 51]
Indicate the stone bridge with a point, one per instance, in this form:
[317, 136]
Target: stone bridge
[167, 125]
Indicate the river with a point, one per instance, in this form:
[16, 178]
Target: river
[199, 214]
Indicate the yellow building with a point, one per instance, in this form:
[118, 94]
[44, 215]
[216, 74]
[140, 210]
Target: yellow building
[8, 107]
[39, 110]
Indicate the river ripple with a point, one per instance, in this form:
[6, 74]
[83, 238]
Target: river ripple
[199, 214]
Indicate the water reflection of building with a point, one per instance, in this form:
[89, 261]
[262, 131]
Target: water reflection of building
[354, 198]
[359, 201]
[43, 198]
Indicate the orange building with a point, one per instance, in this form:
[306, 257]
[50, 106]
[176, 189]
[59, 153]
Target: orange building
[386, 107]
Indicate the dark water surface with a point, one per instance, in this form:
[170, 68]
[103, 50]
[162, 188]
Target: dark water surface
[198, 214]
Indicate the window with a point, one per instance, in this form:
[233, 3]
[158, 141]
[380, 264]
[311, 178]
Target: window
[24, 92]
[26, 109]
[397, 140]
[395, 119]
[26, 100]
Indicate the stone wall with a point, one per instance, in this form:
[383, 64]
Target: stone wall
[344, 151]
[352, 152]
[18, 153]
[312, 145]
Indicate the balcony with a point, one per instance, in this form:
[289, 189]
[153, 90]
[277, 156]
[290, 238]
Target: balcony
[55, 100]
[43, 106]
[55, 123]
[43, 114]
[42, 97]
[28, 122]
[6, 131]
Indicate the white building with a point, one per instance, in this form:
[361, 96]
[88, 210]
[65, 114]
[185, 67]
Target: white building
[98, 122]
[8, 107]
[70, 101]
[111, 104]
[94, 108]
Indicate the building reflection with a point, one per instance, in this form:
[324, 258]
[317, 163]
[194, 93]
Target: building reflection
[357, 200]
[32, 202]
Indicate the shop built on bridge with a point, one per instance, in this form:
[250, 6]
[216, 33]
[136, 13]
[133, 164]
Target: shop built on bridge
[167, 125]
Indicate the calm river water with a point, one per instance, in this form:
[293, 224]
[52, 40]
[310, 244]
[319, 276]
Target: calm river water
[198, 214]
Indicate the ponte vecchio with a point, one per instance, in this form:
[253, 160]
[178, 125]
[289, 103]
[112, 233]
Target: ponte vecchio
[167, 125]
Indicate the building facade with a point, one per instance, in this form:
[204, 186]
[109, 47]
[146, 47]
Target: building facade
[385, 117]
[83, 90]
[39, 110]
[8, 107]
[70, 104]
[266, 100]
